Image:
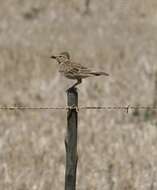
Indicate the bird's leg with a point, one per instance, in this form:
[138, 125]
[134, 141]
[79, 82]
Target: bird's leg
[77, 83]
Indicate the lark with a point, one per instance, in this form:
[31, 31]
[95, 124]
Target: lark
[73, 70]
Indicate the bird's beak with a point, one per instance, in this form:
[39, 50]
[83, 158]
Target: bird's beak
[53, 57]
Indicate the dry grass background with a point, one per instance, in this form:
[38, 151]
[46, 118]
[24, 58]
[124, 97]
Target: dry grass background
[117, 151]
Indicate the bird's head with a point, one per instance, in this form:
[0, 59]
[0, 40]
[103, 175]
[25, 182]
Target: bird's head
[62, 57]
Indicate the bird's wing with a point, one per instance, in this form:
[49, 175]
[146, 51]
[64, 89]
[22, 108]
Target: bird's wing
[79, 69]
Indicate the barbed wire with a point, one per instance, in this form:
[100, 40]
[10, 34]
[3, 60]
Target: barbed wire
[126, 108]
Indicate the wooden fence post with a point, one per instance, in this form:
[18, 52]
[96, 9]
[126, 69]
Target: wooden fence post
[155, 91]
[71, 141]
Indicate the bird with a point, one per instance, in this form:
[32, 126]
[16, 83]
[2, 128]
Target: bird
[73, 70]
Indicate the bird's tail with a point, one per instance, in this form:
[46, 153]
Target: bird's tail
[99, 73]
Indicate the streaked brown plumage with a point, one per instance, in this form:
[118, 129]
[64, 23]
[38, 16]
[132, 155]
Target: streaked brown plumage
[74, 70]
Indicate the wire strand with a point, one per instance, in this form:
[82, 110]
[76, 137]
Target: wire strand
[127, 108]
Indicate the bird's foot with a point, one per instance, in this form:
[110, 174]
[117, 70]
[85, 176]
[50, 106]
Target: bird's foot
[72, 88]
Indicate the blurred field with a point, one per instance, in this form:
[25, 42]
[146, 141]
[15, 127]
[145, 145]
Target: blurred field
[117, 151]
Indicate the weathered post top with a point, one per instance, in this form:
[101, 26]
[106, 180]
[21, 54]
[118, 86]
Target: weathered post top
[72, 97]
